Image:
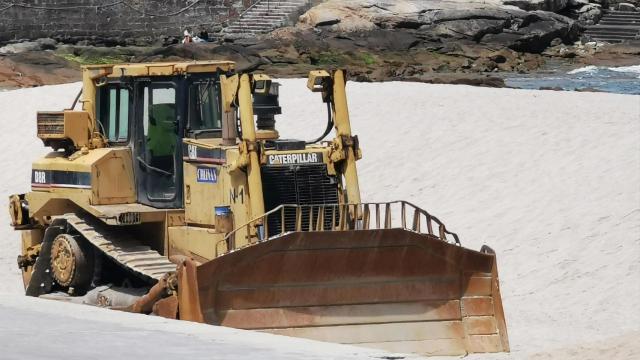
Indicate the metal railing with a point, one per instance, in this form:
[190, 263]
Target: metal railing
[253, 4]
[286, 218]
[238, 20]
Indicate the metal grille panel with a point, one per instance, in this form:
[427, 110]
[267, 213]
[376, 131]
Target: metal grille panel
[298, 185]
[50, 124]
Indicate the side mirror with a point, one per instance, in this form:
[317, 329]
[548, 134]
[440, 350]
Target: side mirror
[317, 80]
[261, 84]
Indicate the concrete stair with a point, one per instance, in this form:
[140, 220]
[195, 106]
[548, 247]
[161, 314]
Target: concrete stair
[615, 27]
[264, 16]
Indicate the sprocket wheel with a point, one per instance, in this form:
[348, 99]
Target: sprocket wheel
[71, 261]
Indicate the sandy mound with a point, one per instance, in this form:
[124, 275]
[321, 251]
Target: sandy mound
[548, 179]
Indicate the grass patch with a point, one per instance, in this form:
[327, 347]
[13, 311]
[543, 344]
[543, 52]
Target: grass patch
[368, 59]
[337, 59]
[329, 58]
[94, 60]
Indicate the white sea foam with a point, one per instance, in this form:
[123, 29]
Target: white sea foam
[593, 70]
[586, 69]
[635, 69]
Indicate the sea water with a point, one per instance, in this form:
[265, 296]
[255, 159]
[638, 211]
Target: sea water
[621, 80]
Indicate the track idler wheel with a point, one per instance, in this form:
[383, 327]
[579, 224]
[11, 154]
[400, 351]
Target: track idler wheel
[72, 261]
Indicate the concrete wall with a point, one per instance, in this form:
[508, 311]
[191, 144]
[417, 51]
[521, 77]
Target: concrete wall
[112, 21]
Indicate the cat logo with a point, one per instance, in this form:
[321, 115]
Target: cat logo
[287, 159]
[192, 151]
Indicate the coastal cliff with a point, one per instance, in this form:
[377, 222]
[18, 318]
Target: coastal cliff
[453, 41]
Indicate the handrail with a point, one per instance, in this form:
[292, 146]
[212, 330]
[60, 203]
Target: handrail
[340, 217]
[249, 8]
[238, 21]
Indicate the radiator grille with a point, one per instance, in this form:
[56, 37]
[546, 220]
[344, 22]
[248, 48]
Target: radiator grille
[300, 185]
[50, 123]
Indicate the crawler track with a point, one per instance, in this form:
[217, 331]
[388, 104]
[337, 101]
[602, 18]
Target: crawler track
[125, 250]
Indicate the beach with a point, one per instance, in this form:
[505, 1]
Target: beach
[549, 180]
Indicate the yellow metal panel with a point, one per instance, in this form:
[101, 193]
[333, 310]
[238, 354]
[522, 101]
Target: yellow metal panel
[112, 178]
[30, 238]
[236, 195]
[162, 69]
[205, 66]
[112, 182]
[159, 70]
[206, 143]
[77, 127]
[201, 243]
[253, 175]
[57, 161]
[58, 201]
[343, 130]
[202, 197]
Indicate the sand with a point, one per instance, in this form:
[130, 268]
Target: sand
[550, 180]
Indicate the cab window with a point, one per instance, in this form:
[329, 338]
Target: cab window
[204, 109]
[114, 103]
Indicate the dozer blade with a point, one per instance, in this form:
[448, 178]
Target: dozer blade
[392, 289]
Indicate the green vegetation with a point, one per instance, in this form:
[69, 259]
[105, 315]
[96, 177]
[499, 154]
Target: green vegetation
[332, 58]
[94, 59]
[348, 58]
[329, 58]
[368, 59]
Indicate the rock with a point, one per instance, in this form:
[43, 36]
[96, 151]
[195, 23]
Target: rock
[444, 21]
[281, 54]
[349, 18]
[603, 3]
[484, 65]
[533, 5]
[588, 14]
[578, 3]
[321, 18]
[388, 40]
[615, 3]
[626, 7]
[47, 44]
[459, 79]
[556, 42]
[21, 47]
[35, 68]
[588, 89]
[535, 32]
[474, 29]
[563, 51]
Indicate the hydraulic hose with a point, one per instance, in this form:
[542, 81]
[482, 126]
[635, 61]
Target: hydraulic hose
[329, 125]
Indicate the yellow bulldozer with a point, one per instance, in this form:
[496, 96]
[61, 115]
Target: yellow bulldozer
[171, 193]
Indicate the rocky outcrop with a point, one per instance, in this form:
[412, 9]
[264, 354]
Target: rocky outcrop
[625, 6]
[587, 14]
[446, 21]
[614, 3]
[544, 5]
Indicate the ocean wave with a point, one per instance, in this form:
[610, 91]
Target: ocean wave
[586, 69]
[602, 70]
[635, 69]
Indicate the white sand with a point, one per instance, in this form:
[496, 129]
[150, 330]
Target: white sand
[550, 180]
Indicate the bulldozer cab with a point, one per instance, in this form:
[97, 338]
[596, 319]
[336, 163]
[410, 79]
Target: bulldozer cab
[152, 115]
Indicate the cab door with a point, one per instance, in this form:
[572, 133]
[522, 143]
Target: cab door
[157, 144]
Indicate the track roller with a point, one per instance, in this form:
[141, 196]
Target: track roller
[72, 261]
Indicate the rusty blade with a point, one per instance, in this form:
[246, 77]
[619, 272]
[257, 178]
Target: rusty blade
[189, 303]
[390, 289]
